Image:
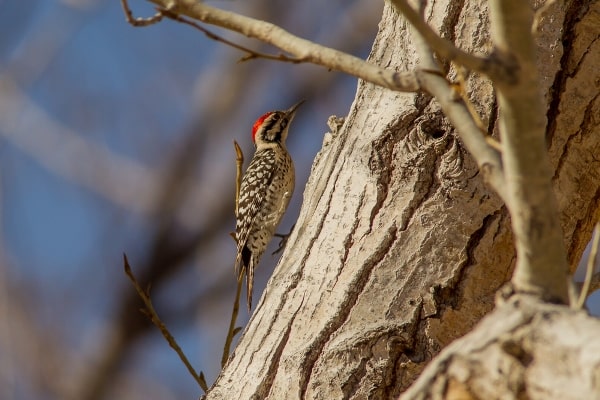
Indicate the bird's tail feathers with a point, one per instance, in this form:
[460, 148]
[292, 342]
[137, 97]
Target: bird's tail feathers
[249, 285]
[238, 267]
[244, 265]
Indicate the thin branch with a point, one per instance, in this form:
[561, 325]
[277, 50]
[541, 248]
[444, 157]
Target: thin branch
[251, 54]
[302, 49]
[591, 263]
[489, 65]
[239, 162]
[160, 13]
[457, 111]
[232, 331]
[150, 312]
[137, 21]
[460, 89]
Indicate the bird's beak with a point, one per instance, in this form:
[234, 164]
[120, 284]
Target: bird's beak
[292, 110]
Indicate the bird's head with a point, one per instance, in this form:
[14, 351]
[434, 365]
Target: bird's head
[272, 127]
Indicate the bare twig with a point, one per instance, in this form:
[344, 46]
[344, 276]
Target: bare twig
[138, 21]
[461, 90]
[251, 54]
[232, 331]
[150, 312]
[457, 111]
[302, 49]
[239, 162]
[591, 263]
[491, 66]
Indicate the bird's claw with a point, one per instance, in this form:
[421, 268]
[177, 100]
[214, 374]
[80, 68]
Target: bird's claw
[284, 238]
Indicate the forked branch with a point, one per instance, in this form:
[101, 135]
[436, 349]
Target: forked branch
[300, 50]
[455, 104]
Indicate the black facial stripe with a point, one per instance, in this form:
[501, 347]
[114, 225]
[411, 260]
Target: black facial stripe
[274, 134]
[271, 124]
[274, 127]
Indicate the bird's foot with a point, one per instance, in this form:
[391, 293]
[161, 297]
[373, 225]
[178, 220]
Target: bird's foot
[284, 238]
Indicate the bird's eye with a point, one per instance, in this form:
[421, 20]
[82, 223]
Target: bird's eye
[275, 117]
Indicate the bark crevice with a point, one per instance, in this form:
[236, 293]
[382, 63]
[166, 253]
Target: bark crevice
[344, 309]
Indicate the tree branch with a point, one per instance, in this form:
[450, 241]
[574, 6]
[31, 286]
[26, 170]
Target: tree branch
[251, 54]
[304, 50]
[442, 46]
[490, 65]
[541, 256]
[150, 312]
[457, 111]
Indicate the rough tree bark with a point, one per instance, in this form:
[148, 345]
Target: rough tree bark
[400, 247]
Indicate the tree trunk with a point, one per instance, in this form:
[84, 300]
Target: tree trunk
[400, 247]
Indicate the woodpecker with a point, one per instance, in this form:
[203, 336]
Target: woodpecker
[265, 192]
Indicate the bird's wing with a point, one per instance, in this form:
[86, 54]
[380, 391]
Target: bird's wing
[253, 192]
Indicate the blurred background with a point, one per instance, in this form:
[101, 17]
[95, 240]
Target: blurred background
[115, 139]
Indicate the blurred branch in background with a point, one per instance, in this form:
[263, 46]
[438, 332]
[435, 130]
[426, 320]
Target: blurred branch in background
[68, 154]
